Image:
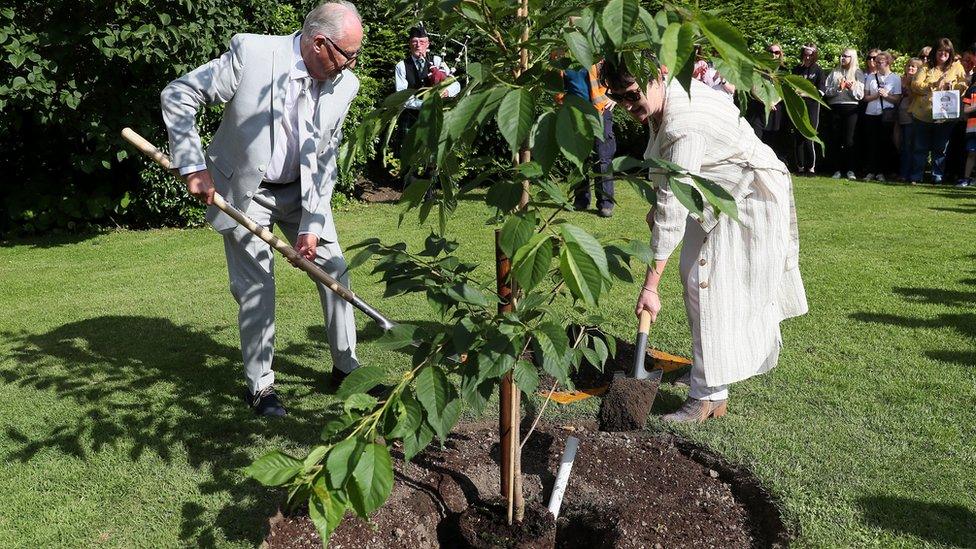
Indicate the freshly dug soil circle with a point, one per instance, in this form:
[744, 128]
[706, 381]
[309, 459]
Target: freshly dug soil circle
[627, 403]
[626, 490]
[485, 526]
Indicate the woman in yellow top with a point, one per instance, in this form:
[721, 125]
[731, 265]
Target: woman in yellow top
[941, 72]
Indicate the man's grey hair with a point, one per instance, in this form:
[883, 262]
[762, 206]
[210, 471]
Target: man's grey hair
[329, 19]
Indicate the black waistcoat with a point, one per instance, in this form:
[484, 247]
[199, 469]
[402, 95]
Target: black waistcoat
[415, 80]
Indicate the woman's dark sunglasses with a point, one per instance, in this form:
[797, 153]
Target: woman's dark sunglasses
[629, 95]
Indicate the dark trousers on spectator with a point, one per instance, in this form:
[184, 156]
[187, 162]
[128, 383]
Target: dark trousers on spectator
[931, 137]
[806, 153]
[907, 150]
[844, 124]
[877, 144]
[604, 184]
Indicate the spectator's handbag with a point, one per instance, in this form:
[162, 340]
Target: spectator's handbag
[945, 105]
[888, 114]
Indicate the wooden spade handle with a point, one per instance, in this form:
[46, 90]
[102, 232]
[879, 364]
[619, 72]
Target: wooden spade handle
[645, 322]
[266, 235]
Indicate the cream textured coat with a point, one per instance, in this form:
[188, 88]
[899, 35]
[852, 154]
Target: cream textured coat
[748, 270]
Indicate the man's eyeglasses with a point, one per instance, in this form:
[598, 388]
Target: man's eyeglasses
[872, 57]
[350, 57]
[631, 96]
[775, 52]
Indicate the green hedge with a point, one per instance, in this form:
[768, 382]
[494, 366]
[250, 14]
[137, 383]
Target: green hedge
[72, 74]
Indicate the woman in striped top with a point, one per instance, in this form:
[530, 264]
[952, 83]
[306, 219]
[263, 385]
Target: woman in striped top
[741, 278]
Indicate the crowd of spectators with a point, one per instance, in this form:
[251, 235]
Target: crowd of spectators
[877, 125]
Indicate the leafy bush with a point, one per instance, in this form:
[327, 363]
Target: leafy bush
[73, 74]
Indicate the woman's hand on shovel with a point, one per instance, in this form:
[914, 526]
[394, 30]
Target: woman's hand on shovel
[650, 301]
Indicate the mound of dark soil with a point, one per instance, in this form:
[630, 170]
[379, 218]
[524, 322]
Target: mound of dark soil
[626, 490]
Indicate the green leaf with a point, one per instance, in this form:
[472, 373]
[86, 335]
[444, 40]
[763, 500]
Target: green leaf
[415, 443]
[325, 510]
[397, 99]
[504, 195]
[315, 456]
[618, 20]
[532, 261]
[415, 191]
[687, 195]
[574, 132]
[372, 479]
[463, 116]
[727, 41]
[583, 263]
[409, 417]
[359, 402]
[544, 144]
[517, 231]
[515, 116]
[466, 293]
[678, 47]
[579, 47]
[796, 108]
[474, 392]
[529, 170]
[802, 86]
[552, 345]
[400, 336]
[165, 19]
[341, 461]
[471, 11]
[433, 391]
[526, 376]
[651, 29]
[718, 197]
[274, 468]
[361, 380]
[448, 418]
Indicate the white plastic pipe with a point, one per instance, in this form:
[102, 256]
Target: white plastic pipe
[562, 477]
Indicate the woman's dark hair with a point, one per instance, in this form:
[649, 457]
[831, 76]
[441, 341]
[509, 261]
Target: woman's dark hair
[614, 75]
[943, 44]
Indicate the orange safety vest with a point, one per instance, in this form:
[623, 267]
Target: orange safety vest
[598, 94]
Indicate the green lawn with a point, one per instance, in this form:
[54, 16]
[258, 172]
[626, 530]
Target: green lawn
[121, 423]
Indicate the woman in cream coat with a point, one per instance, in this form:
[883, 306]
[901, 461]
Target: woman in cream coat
[740, 278]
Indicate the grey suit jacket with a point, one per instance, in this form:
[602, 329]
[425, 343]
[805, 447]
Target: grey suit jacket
[251, 78]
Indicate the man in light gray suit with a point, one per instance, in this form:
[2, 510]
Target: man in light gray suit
[274, 157]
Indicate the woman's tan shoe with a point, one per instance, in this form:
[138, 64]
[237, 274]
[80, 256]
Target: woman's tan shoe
[697, 411]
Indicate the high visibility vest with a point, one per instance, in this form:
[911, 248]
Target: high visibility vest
[598, 94]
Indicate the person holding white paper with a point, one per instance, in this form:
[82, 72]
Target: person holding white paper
[940, 73]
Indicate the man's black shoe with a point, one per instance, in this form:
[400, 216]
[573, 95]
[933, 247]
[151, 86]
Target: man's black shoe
[266, 403]
[605, 212]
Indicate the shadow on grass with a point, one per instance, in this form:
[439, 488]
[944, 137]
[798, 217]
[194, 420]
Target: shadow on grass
[147, 385]
[51, 240]
[952, 525]
[963, 322]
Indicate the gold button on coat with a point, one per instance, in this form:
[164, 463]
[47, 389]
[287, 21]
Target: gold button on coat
[703, 285]
[702, 262]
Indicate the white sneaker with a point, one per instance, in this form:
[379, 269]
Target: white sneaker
[867, 177]
[836, 175]
[851, 176]
[881, 178]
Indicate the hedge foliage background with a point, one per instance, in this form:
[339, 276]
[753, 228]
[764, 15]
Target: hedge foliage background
[73, 74]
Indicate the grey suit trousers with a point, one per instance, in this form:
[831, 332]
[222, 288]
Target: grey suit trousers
[250, 267]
